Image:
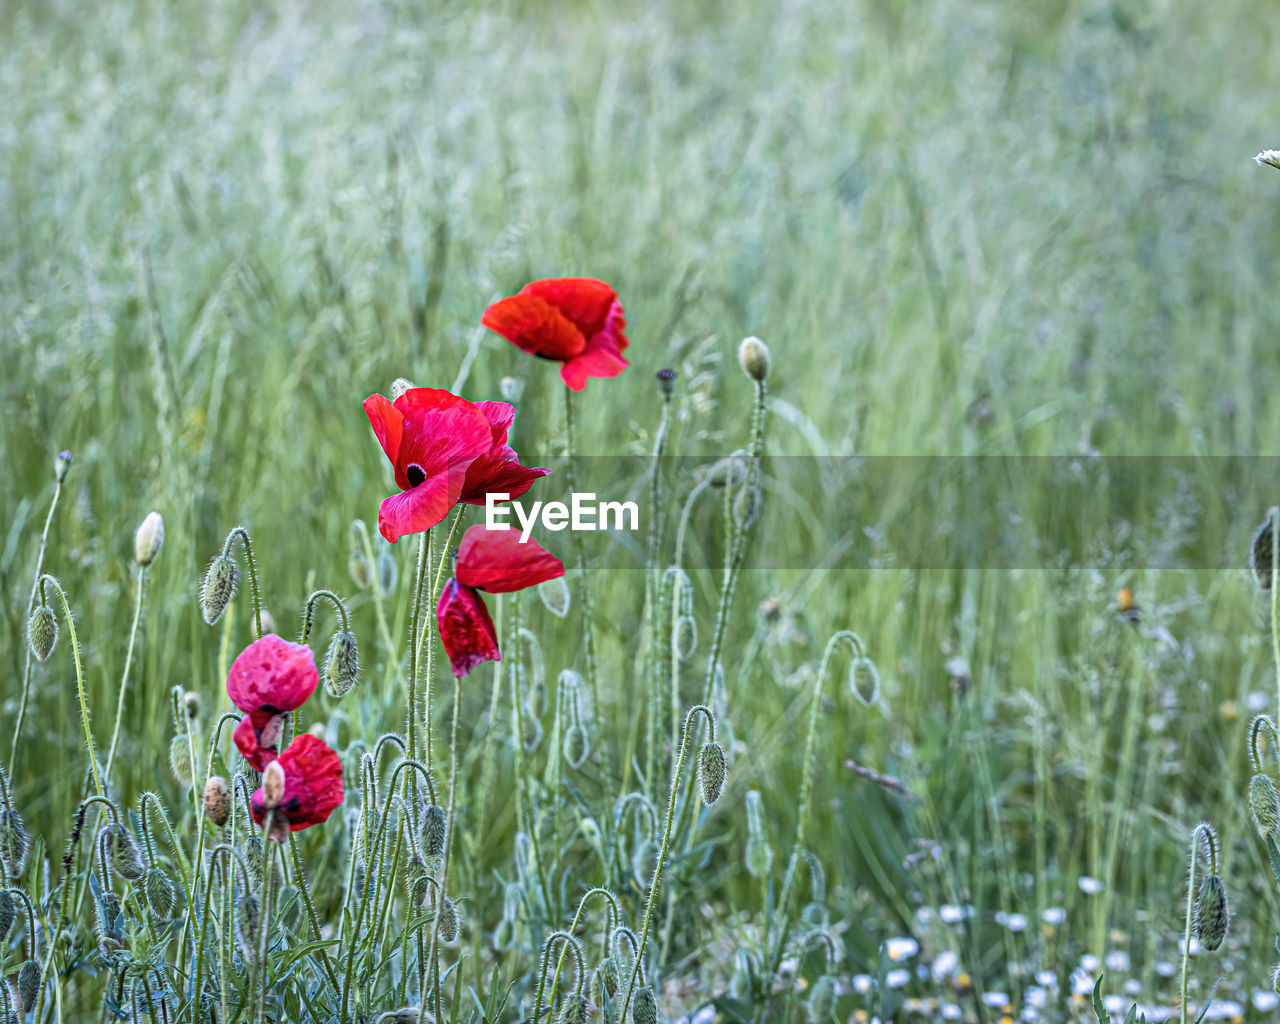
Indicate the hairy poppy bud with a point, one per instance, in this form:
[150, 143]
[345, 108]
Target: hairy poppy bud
[573, 1009]
[576, 745]
[435, 827]
[341, 664]
[405, 1015]
[42, 631]
[148, 539]
[511, 388]
[555, 596]
[712, 770]
[536, 702]
[358, 566]
[685, 638]
[220, 585]
[159, 892]
[15, 842]
[864, 681]
[644, 859]
[108, 922]
[415, 880]
[248, 925]
[268, 621]
[644, 1006]
[1212, 914]
[60, 466]
[399, 386]
[1260, 553]
[28, 985]
[124, 855]
[753, 357]
[388, 574]
[822, 1000]
[251, 851]
[666, 382]
[191, 701]
[450, 924]
[1264, 805]
[217, 800]
[606, 982]
[272, 785]
[8, 911]
[180, 759]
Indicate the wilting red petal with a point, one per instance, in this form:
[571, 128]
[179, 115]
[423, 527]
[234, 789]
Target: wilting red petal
[258, 736]
[583, 301]
[272, 674]
[500, 416]
[387, 422]
[466, 630]
[496, 561]
[312, 784]
[603, 355]
[421, 508]
[534, 326]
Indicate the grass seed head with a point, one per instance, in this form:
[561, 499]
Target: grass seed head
[180, 759]
[148, 539]
[712, 770]
[42, 631]
[753, 357]
[644, 1006]
[1264, 805]
[15, 842]
[217, 800]
[573, 1009]
[220, 585]
[1212, 914]
[341, 664]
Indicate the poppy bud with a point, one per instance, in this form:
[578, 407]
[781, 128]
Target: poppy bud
[191, 701]
[405, 1015]
[644, 1006]
[864, 681]
[753, 357]
[511, 388]
[536, 702]
[28, 985]
[685, 639]
[388, 574]
[268, 622]
[248, 925]
[217, 800]
[148, 539]
[759, 857]
[42, 631]
[746, 506]
[358, 566]
[180, 760]
[60, 466]
[435, 827]
[1212, 914]
[251, 851]
[666, 382]
[712, 772]
[399, 386]
[606, 982]
[576, 745]
[415, 880]
[15, 842]
[1260, 554]
[450, 924]
[1264, 805]
[822, 1000]
[341, 664]
[8, 911]
[220, 585]
[124, 855]
[272, 785]
[573, 1009]
[555, 596]
[159, 891]
[644, 859]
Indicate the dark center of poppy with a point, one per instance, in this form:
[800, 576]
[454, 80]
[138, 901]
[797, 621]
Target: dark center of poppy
[415, 474]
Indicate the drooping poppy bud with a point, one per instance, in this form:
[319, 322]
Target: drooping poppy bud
[1212, 914]
[219, 588]
[341, 664]
[712, 771]
[124, 855]
[42, 631]
[644, 1006]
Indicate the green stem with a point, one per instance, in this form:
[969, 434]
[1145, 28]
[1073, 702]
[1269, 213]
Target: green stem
[1274, 516]
[45, 580]
[427, 627]
[434, 954]
[569, 942]
[268, 875]
[1205, 830]
[419, 581]
[580, 555]
[308, 614]
[128, 662]
[243, 534]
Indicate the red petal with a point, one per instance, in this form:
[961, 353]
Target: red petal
[423, 507]
[272, 674]
[489, 475]
[466, 630]
[583, 301]
[312, 784]
[441, 432]
[496, 561]
[603, 355]
[387, 422]
[500, 416]
[534, 326]
[257, 737]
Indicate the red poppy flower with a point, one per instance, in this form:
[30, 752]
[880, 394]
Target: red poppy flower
[492, 560]
[312, 785]
[269, 678]
[577, 321]
[499, 471]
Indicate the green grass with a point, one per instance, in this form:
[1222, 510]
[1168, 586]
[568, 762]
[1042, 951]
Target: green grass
[963, 229]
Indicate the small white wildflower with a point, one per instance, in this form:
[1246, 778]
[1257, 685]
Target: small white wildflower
[1037, 997]
[1113, 1004]
[1017, 922]
[1030, 1013]
[996, 998]
[1118, 960]
[897, 978]
[1270, 157]
[862, 983]
[950, 1011]
[1165, 968]
[1054, 915]
[901, 948]
[1089, 886]
[950, 914]
[1264, 1001]
[1258, 701]
[1081, 982]
[1047, 978]
[945, 964]
[1090, 962]
[1131, 987]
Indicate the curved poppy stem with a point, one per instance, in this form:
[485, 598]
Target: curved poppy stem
[611, 917]
[580, 555]
[243, 534]
[434, 956]
[268, 873]
[1259, 723]
[1205, 830]
[568, 942]
[309, 612]
[47, 580]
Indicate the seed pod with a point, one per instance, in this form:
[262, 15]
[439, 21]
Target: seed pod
[1212, 914]
[684, 640]
[759, 856]
[148, 539]
[248, 925]
[450, 924]
[434, 829]
[42, 631]
[711, 772]
[822, 1000]
[341, 664]
[272, 785]
[666, 382]
[388, 574]
[8, 911]
[217, 800]
[555, 596]
[753, 357]
[573, 1009]
[124, 855]
[576, 745]
[15, 842]
[220, 585]
[644, 1006]
[1260, 554]
[415, 879]
[1264, 805]
[180, 760]
[644, 858]
[864, 681]
[160, 892]
[28, 985]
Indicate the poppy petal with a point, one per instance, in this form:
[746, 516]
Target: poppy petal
[534, 326]
[500, 416]
[583, 301]
[272, 674]
[312, 784]
[466, 629]
[387, 422]
[490, 475]
[441, 431]
[257, 737]
[497, 562]
[421, 507]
